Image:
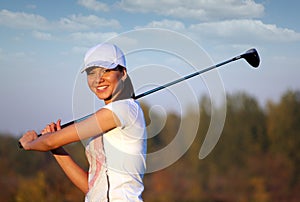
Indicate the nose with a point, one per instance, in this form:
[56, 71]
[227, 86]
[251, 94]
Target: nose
[99, 77]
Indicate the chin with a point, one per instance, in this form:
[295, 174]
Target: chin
[104, 97]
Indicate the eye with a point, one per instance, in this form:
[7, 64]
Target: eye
[90, 73]
[106, 70]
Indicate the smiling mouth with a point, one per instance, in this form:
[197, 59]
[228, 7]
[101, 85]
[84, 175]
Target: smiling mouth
[101, 88]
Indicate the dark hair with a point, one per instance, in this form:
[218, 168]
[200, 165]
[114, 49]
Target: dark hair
[119, 68]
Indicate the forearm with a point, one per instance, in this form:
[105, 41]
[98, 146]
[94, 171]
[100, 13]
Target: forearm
[53, 140]
[74, 172]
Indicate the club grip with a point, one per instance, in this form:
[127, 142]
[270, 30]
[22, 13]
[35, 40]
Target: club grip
[39, 135]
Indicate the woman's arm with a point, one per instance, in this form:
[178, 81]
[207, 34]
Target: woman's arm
[54, 137]
[74, 172]
[102, 121]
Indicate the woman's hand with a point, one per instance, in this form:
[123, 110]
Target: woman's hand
[52, 127]
[31, 135]
[27, 138]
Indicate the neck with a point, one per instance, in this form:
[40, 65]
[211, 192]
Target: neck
[124, 91]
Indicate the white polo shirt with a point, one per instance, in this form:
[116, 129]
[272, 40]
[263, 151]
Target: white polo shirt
[118, 158]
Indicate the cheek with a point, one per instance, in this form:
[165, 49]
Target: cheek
[114, 78]
[90, 83]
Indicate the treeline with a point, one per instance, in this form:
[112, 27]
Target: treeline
[256, 159]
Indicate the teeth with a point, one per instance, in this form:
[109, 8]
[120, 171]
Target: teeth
[102, 87]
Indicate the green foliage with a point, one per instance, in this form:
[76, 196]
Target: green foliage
[284, 128]
[256, 158]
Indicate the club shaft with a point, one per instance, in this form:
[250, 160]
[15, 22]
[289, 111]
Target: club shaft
[184, 78]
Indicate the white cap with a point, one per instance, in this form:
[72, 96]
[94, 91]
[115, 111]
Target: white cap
[104, 55]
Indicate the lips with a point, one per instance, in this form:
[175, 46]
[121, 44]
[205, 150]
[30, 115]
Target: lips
[102, 88]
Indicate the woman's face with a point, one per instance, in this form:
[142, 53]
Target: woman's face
[104, 82]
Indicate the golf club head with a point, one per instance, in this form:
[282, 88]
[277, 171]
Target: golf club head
[252, 57]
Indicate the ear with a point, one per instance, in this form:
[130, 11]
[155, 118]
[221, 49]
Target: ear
[124, 72]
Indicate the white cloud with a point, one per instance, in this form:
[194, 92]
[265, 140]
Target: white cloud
[167, 24]
[94, 5]
[90, 22]
[21, 20]
[92, 37]
[196, 9]
[42, 35]
[245, 30]
[237, 33]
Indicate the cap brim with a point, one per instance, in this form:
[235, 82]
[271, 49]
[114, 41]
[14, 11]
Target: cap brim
[103, 64]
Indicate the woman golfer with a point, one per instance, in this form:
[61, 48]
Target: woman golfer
[116, 149]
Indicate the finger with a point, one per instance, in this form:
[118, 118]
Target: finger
[48, 128]
[53, 127]
[31, 134]
[58, 124]
[28, 137]
[44, 131]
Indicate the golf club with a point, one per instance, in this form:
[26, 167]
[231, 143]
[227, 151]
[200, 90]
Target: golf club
[251, 56]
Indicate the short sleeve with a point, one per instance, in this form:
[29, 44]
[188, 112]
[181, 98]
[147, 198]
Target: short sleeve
[125, 110]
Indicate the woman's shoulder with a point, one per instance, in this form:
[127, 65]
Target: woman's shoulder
[123, 105]
[128, 110]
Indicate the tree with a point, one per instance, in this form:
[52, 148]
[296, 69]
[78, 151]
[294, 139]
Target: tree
[33, 189]
[283, 129]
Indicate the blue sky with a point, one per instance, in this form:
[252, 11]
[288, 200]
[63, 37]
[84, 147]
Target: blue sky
[42, 46]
